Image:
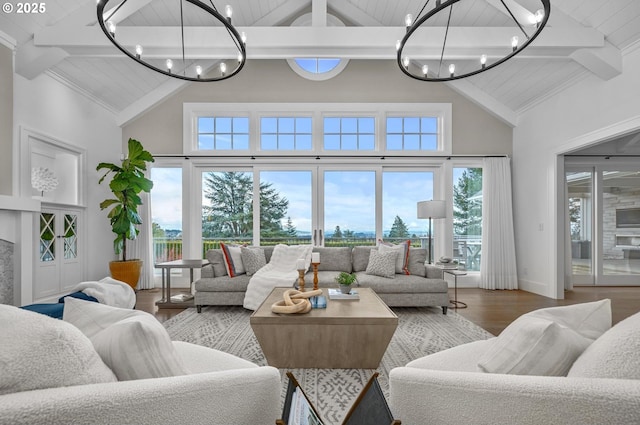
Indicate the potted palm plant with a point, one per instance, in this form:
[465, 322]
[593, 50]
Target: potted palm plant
[127, 182]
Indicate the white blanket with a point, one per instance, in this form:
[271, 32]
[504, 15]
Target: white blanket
[281, 271]
[109, 291]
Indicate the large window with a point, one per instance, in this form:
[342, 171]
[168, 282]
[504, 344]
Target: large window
[467, 217]
[349, 208]
[401, 192]
[285, 207]
[166, 213]
[227, 207]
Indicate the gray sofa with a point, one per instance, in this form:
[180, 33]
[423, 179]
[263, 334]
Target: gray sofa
[423, 287]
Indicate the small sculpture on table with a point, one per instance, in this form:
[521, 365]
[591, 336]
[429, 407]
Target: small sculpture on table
[295, 301]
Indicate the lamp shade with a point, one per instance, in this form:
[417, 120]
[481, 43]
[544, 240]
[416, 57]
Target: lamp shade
[432, 209]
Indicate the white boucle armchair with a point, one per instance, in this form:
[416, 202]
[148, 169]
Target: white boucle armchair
[601, 387]
[222, 390]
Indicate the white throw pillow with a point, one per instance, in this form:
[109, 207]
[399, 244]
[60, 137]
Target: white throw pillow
[232, 259]
[40, 352]
[402, 260]
[133, 343]
[533, 346]
[588, 319]
[382, 264]
[547, 341]
[616, 354]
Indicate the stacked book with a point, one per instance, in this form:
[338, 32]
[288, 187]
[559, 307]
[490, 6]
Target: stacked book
[336, 294]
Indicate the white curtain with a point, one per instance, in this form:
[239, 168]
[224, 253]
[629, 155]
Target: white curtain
[142, 247]
[498, 265]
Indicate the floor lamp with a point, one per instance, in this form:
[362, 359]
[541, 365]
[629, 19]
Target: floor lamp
[431, 210]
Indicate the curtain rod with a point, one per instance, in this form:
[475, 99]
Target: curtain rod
[603, 156]
[447, 157]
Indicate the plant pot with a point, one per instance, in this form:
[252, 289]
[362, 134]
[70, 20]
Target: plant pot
[345, 289]
[126, 271]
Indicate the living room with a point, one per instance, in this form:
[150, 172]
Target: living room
[550, 130]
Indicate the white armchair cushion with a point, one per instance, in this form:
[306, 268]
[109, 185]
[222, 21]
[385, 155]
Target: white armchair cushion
[132, 343]
[546, 342]
[39, 352]
[616, 354]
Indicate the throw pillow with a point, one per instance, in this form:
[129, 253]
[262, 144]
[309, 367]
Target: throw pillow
[533, 346]
[402, 261]
[361, 256]
[253, 259]
[40, 352]
[547, 341]
[131, 342]
[382, 264]
[616, 354]
[216, 259]
[588, 319]
[232, 259]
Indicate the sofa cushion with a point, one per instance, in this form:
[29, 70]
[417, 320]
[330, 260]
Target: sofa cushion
[402, 259]
[547, 341]
[216, 259]
[334, 258]
[382, 264]
[232, 259]
[40, 352]
[402, 284]
[253, 258]
[616, 354]
[223, 284]
[361, 257]
[417, 258]
[131, 342]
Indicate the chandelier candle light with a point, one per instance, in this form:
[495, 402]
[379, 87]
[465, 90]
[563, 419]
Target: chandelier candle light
[436, 42]
[196, 50]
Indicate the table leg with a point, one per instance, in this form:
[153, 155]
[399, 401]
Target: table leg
[164, 297]
[168, 299]
[455, 302]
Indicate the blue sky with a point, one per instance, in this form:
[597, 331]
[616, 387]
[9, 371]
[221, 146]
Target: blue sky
[349, 197]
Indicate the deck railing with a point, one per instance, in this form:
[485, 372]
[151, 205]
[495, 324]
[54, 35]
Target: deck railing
[467, 251]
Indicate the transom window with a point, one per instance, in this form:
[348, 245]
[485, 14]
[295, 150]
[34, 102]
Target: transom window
[223, 133]
[317, 65]
[412, 133]
[349, 133]
[286, 133]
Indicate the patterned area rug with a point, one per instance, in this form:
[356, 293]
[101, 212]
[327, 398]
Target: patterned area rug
[420, 331]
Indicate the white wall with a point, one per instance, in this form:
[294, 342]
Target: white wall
[49, 107]
[590, 111]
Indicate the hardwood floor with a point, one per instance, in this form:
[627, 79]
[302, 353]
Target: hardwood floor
[491, 310]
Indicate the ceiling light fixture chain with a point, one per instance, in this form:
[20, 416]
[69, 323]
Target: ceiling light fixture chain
[467, 64]
[189, 72]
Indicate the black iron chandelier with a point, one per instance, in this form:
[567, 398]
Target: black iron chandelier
[188, 58]
[434, 49]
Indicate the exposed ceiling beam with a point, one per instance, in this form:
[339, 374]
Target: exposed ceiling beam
[604, 61]
[319, 13]
[32, 61]
[629, 144]
[485, 101]
[290, 42]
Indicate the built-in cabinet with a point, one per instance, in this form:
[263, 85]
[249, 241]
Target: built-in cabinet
[59, 263]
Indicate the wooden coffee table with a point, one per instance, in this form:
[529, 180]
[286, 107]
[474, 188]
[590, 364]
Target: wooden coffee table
[346, 334]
